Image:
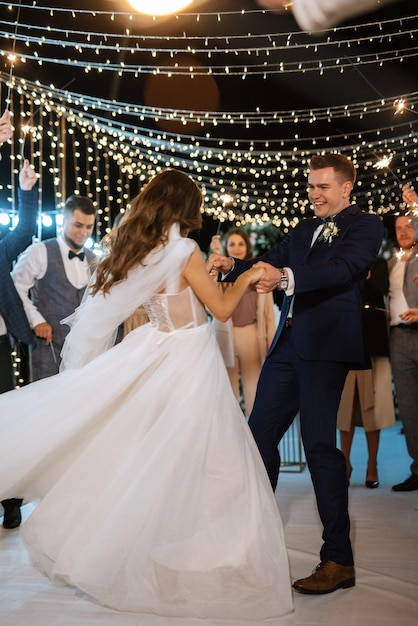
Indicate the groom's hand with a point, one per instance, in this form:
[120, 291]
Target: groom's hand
[270, 279]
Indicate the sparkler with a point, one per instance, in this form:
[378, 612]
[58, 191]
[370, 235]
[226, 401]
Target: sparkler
[385, 162]
[12, 56]
[400, 107]
[375, 308]
[26, 128]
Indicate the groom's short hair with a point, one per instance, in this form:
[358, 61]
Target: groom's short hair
[341, 164]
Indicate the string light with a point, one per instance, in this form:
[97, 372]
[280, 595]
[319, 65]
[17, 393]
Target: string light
[159, 7]
[268, 175]
[268, 183]
[279, 50]
[91, 105]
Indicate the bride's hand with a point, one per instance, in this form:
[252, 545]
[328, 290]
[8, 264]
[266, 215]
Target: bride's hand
[254, 274]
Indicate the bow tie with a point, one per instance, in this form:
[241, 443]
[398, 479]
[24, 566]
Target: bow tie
[73, 255]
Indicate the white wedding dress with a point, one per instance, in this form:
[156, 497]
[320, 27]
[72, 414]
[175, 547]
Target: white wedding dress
[153, 498]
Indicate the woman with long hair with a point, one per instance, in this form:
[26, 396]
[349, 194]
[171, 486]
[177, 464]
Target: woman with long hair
[153, 496]
[246, 336]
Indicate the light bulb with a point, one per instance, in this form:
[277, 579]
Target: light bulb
[159, 7]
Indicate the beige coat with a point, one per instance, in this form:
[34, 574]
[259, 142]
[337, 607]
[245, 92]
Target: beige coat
[374, 409]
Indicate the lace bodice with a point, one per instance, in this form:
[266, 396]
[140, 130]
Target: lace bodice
[169, 312]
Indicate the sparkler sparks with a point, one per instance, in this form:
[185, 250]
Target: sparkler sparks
[401, 105]
[383, 162]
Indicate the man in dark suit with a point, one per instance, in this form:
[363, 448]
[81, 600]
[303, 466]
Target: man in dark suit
[321, 266]
[13, 321]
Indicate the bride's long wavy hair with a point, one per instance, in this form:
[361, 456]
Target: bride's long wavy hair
[170, 197]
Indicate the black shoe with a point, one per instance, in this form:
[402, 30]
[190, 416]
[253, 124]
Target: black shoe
[372, 484]
[12, 516]
[410, 484]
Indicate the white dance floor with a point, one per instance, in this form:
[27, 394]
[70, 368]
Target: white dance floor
[385, 539]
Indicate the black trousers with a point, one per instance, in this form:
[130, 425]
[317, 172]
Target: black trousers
[7, 382]
[6, 365]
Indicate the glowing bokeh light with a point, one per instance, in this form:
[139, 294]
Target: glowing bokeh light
[159, 7]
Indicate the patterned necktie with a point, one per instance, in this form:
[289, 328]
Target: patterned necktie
[73, 255]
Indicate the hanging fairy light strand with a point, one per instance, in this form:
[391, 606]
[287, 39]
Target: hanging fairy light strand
[256, 42]
[87, 111]
[251, 44]
[263, 69]
[130, 16]
[219, 118]
[12, 55]
[269, 174]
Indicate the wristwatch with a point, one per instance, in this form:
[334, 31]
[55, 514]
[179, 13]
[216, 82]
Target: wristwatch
[284, 281]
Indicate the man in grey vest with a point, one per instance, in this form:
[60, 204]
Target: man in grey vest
[51, 277]
[403, 296]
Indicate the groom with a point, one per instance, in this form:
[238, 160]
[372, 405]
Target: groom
[321, 266]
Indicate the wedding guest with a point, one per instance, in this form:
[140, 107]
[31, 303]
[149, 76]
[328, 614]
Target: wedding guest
[245, 338]
[321, 266]
[168, 508]
[51, 277]
[367, 398]
[403, 301]
[14, 325]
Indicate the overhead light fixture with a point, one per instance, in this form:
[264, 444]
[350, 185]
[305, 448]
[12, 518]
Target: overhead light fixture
[159, 7]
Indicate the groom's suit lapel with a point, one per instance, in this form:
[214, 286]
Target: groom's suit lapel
[309, 233]
[342, 220]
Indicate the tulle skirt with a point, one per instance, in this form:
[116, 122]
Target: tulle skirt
[153, 498]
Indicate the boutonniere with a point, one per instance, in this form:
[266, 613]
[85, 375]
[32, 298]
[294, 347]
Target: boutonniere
[329, 231]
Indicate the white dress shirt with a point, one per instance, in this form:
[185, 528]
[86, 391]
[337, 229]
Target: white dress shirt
[32, 266]
[291, 277]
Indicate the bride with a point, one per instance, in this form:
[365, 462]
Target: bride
[152, 496]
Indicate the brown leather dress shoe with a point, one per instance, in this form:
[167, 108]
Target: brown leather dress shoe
[327, 577]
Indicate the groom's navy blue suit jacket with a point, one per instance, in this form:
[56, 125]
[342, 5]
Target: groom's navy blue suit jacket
[328, 283]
